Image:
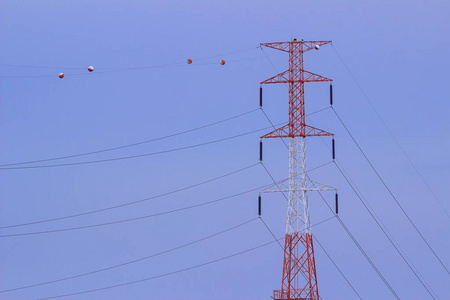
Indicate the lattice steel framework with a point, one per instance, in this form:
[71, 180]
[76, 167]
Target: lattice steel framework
[299, 258]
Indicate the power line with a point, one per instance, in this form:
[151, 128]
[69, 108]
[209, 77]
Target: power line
[162, 275]
[391, 134]
[131, 219]
[129, 203]
[336, 266]
[359, 246]
[273, 235]
[130, 145]
[374, 267]
[116, 69]
[390, 192]
[262, 49]
[386, 234]
[123, 70]
[129, 262]
[384, 230]
[139, 155]
[366, 256]
[135, 219]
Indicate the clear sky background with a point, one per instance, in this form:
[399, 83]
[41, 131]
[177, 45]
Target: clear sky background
[396, 50]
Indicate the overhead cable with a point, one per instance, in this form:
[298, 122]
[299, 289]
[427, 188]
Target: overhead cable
[132, 219]
[159, 276]
[392, 134]
[136, 218]
[128, 203]
[130, 145]
[128, 262]
[384, 230]
[374, 267]
[396, 247]
[139, 155]
[348, 282]
[115, 69]
[363, 252]
[390, 192]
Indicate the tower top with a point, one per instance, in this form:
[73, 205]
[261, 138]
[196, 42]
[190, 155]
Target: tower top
[296, 76]
[301, 44]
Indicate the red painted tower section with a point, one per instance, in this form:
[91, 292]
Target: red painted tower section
[299, 262]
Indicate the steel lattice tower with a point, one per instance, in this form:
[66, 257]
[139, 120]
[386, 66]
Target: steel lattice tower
[298, 249]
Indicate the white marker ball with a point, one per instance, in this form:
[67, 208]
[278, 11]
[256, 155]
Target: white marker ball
[90, 68]
[317, 47]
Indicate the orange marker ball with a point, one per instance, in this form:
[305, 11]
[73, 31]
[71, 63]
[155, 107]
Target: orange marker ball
[90, 68]
[189, 61]
[222, 62]
[61, 75]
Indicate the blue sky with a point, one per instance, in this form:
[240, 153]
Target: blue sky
[396, 50]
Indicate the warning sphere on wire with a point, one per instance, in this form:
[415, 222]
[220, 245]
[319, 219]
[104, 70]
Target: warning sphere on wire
[317, 47]
[222, 62]
[90, 68]
[189, 61]
[61, 75]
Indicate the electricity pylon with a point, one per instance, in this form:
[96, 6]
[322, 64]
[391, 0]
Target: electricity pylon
[298, 248]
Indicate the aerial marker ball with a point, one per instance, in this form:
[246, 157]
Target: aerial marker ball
[317, 47]
[90, 68]
[61, 75]
[189, 61]
[222, 62]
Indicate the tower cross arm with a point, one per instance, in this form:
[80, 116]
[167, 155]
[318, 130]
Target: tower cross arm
[312, 131]
[283, 77]
[288, 132]
[312, 77]
[283, 46]
[309, 45]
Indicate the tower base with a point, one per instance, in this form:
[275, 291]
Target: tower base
[279, 295]
[296, 264]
